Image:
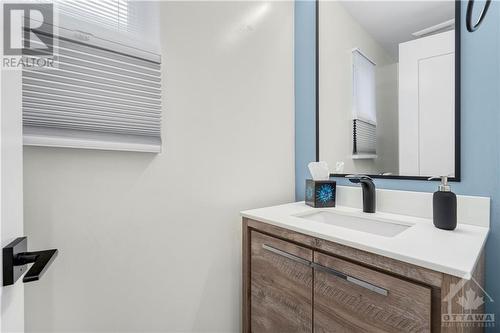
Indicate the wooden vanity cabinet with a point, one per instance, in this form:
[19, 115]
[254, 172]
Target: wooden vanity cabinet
[352, 298]
[297, 283]
[281, 282]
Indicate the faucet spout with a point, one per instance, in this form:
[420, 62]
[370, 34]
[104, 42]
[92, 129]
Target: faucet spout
[369, 198]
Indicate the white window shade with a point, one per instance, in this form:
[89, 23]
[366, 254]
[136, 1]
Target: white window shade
[131, 23]
[364, 137]
[364, 107]
[101, 95]
[113, 14]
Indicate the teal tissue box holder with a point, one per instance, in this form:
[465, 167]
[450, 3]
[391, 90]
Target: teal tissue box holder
[320, 193]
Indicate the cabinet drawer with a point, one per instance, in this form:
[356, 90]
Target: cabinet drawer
[280, 286]
[353, 298]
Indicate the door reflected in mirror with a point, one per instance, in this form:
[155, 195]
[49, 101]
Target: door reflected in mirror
[388, 84]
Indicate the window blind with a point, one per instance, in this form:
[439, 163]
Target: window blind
[363, 105]
[364, 138]
[113, 14]
[133, 23]
[101, 95]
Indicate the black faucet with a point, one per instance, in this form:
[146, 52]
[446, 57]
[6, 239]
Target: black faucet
[368, 187]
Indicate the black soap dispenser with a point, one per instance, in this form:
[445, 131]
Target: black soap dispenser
[444, 206]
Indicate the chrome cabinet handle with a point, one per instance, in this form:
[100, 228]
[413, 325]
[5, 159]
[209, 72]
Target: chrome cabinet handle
[356, 281]
[286, 254]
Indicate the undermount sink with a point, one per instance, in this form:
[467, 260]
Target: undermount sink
[376, 226]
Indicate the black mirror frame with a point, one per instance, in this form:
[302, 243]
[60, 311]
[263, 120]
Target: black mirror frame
[457, 176]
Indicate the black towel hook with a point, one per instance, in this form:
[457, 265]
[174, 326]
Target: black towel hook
[471, 27]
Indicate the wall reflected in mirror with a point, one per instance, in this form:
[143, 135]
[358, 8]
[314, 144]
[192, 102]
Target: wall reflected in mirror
[387, 80]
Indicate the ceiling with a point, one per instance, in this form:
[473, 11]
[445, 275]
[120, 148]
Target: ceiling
[393, 22]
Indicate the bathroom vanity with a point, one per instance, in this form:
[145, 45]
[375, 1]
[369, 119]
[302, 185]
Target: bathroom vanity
[388, 78]
[341, 270]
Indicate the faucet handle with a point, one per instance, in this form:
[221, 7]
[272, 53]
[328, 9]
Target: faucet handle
[368, 191]
[358, 177]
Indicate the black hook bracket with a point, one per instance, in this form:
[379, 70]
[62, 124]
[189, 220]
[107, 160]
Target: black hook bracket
[16, 258]
[471, 27]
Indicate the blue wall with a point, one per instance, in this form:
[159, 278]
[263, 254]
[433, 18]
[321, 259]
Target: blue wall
[480, 122]
[305, 90]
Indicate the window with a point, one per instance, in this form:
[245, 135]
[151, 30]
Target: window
[112, 14]
[364, 111]
[121, 21]
[105, 92]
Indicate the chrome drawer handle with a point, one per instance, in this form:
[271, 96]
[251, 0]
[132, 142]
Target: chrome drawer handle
[358, 282]
[286, 254]
[361, 283]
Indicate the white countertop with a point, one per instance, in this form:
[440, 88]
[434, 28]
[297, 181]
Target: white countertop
[451, 252]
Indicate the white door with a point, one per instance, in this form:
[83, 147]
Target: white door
[11, 196]
[427, 105]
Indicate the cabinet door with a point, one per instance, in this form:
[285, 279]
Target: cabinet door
[353, 298]
[281, 286]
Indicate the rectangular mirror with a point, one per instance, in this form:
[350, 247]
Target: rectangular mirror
[388, 93]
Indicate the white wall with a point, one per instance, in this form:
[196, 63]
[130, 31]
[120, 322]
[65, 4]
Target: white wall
[152, 243]
[339, 34]
[387, 119]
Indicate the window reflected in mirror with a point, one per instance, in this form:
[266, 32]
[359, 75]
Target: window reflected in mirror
[387, 80]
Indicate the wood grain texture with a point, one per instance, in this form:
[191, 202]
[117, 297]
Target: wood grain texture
[281, 288]
[454, 292]
[245, 317]
[439, 284]
[436, 310]
[409, 271]
[337, 302]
